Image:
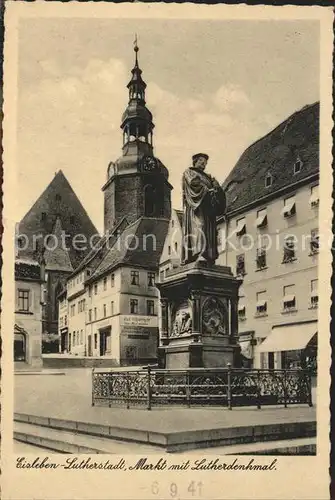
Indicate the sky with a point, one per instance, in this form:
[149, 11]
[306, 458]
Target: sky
[212, 86]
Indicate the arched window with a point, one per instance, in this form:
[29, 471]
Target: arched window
[149, 201]
[19, 347]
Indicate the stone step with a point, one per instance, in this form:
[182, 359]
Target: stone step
[174, 440]
[71, 442]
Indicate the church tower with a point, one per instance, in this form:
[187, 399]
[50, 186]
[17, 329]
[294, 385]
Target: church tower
[137, 183]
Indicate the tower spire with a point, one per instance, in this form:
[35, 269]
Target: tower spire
[136, 49]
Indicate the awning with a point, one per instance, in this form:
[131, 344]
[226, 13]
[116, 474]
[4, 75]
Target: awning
[289, 208]
[289, 298]
[314, 199]
[240, 227]
[261, 303]
[246, 349]
[289, 337]
[261, 220]
[241, 307]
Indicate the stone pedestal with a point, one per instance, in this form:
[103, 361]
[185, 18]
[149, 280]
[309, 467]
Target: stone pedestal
[199, 324]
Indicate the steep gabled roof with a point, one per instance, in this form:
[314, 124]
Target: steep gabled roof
[56, 255]
[140, 244]
[58, 200]
[276, 153]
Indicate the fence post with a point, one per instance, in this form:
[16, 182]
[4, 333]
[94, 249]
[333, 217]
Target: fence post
[309, 379]
[258, 390]
[149, 389]
[92, 386]
[229, 395]
[285, 388]
[188, 391]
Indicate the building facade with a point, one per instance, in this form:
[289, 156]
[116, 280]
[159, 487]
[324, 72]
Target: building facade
[110, 301]
[48, 234]
[270, 238]
[29, 282]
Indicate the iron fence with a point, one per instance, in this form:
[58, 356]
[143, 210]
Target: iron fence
[227, 387]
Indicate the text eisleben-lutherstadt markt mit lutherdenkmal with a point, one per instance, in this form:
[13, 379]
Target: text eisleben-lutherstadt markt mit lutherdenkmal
[143, 463]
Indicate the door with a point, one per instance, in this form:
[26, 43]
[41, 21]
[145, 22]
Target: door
[271, 361]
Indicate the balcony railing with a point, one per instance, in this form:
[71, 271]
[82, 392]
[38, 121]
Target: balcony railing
[229, 387]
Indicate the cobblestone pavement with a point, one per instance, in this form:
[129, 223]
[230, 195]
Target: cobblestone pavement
[69, 396]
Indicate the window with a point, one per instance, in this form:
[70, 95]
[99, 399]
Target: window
[133, 306]
[240, 265]
[58, 197]
[261, 305]
[43, 216]
[135, 277]
[23, 300]
[105, 310]
[74, 339]
[314, 243]
[65, 320]
[112, 279]
[297, 166]
[95, 288]
[261, 258]
[172, 223]
[314, 293]
[240, 226]
[81, 336]
[151, 279]
[112, 308]
[289, 302]
[289, 249]
[95, 341]
[79, 306]
[289, 207]
[90, 291]
[241, 312]
[268, 180]
[105, 283]
[90, 315]
[150, 307]
[95, 313]
[314, 198]
[169, 250]
[262, 219]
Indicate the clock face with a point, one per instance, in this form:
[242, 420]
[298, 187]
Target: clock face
[149, 163]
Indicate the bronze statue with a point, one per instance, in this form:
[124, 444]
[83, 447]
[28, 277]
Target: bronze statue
[203, 201]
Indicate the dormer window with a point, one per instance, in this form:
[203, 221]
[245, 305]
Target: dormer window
[58, 197]
[43, 216]
[268, 180]
[297, 166]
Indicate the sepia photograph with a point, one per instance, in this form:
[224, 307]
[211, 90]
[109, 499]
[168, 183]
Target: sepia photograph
[165, 204]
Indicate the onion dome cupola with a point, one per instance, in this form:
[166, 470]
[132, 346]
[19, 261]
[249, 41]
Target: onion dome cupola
[137, 183]
[137, 122]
